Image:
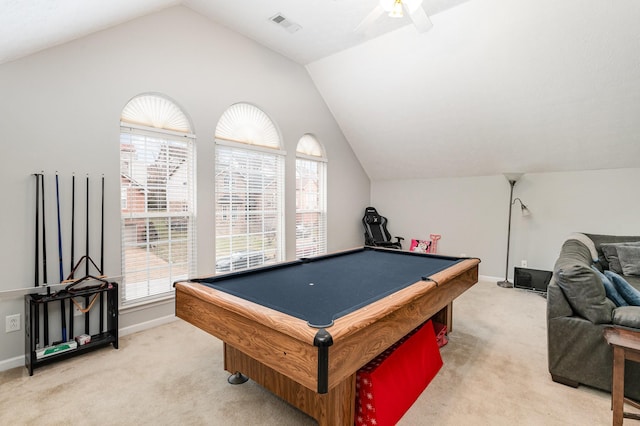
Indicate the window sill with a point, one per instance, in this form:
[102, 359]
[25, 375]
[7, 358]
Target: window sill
[139, 305]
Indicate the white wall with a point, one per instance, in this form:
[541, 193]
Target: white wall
[471, 213]
[60, 111]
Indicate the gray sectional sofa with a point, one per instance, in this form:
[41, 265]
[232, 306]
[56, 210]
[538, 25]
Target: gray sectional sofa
[578, 310]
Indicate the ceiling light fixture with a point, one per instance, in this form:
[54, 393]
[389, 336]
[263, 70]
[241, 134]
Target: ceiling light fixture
[396, 10]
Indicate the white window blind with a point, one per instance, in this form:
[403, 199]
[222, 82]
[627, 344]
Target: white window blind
[311, 218]
[157, 172]
[247, 124]
[249, 207]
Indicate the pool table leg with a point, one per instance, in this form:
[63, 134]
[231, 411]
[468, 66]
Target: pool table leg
[445, 316]
[335, 408]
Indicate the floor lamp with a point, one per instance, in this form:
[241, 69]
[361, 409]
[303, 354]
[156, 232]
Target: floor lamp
[512, 178]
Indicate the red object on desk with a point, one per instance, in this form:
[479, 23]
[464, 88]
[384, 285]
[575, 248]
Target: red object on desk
[388, 385]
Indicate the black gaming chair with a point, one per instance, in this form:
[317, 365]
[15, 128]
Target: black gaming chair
[375, 230]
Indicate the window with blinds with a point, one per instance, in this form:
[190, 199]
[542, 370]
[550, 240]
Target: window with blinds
[157, 172]
[311, 198]
[249, 190]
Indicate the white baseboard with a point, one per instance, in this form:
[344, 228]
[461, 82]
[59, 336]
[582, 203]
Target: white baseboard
[146, 325]
[488, 278]
[7, 364]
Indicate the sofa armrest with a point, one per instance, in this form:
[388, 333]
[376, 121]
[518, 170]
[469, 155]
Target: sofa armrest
[627, 316]
[580, 285]
[557, 304]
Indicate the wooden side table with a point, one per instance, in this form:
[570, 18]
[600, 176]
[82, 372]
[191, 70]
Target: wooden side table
[626, 346]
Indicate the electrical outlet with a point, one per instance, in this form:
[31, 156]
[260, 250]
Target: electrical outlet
[12, 323]
[523, 263]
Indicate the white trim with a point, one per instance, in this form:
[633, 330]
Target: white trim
[489, 278]
[8, 364]
[147, 302]
[242, 145]
[311, 157]
[146, 325]
[154, 130]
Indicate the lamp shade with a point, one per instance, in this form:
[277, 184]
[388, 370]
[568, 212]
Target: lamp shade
[513, 177]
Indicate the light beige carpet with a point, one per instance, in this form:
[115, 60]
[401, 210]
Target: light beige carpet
[494, 373]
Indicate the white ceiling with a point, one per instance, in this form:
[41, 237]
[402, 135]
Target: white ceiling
[495, 86]
[27, 26]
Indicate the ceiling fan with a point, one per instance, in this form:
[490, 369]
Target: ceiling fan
[396, 9]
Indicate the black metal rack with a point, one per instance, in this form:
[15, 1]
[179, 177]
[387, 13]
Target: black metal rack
[37, 334]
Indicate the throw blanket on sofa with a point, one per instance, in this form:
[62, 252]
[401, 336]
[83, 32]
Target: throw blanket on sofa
[618, 289]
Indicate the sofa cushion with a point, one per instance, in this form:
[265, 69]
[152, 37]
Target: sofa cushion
[584, 291]
[629, 256]
[611, 254]
[626, 290]
[609, 289]
[633, 280]
[627, 316]
[599, 239]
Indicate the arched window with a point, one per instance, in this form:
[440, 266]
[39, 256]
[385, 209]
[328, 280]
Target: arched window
[157, 187]
[249, 189]
[311, 197]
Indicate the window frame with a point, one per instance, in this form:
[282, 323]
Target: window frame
[240, 255]
[319, 233]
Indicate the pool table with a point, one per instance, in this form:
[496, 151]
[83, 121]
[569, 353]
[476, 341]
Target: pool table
[302, 329]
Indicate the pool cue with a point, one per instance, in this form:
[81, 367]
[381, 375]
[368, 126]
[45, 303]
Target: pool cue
[102, 256]
[37, 269]
[86, 314]
[59, 228]
[73, 227]
[44, 234]
[86, 247]
[63, 317]
[73, 219]
[36, 313]
[102, 231]
[44, 265]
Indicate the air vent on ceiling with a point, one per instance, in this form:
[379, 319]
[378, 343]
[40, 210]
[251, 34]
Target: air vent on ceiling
[285, 23]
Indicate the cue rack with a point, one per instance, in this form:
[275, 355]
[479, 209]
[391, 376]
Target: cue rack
[87, 306]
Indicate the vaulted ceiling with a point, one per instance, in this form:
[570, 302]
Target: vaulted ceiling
[494, 86]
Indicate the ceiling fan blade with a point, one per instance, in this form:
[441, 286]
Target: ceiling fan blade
[420, 19]
[364, 25]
